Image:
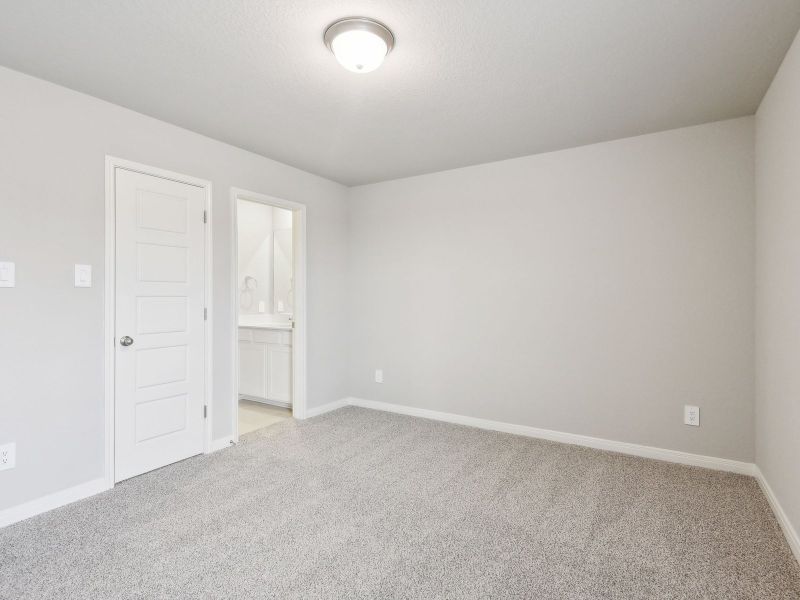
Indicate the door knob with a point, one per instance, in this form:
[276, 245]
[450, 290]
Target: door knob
[126, 340]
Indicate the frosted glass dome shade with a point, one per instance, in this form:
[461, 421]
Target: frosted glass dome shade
[359, 44]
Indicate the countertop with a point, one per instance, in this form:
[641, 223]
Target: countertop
[261, 322]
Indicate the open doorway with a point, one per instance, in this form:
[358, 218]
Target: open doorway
[269, 301]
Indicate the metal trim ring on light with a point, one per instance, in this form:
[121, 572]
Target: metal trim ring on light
[359, 24]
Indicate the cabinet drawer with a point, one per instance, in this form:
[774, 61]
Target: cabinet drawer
[272, 336]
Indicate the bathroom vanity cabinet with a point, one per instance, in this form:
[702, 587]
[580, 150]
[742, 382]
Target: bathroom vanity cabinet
[265, 365]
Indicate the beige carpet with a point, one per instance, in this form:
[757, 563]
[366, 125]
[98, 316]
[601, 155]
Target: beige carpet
[364, 504]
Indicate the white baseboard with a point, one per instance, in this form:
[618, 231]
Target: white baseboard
[220, 444]
[51, 501]
[325, 408]
[788, 530]
[675, 456]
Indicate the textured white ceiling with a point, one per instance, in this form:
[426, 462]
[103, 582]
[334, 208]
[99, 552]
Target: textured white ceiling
[469, 81]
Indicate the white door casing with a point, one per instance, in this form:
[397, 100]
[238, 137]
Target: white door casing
[296, 390]
[160, 379]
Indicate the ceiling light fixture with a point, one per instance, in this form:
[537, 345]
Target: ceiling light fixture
[358, 43]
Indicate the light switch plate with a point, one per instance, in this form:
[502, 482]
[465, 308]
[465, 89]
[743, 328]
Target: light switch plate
[691, 415]
[83, 275]
[8, 456]
[378, 375]
[7, 274]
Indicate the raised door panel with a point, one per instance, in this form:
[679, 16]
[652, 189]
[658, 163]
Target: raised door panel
[162, 314]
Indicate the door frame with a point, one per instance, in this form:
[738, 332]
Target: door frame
[110, 298]
[299, 333]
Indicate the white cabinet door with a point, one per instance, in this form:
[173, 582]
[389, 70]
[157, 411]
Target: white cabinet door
[252, 369]
[279, 373]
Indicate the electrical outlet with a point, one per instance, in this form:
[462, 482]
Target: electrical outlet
[691, 415]
[378, 375]
[7, 277]
[8, 456]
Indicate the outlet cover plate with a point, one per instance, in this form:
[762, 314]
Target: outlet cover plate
[8, 456]
[83, 276]
[7, 274]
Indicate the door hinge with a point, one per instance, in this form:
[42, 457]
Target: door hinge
[205, 411]
[205, 314]
[205, 216]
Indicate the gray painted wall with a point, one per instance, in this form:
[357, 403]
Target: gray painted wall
[778, 285]
[53, 143]
[593, 291]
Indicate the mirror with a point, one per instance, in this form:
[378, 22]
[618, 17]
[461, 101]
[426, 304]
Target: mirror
[265, 255]
[283, 279]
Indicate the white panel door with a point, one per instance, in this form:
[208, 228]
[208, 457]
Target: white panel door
[160, 326]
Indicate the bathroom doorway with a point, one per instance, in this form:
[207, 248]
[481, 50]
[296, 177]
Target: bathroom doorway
[269, 310]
